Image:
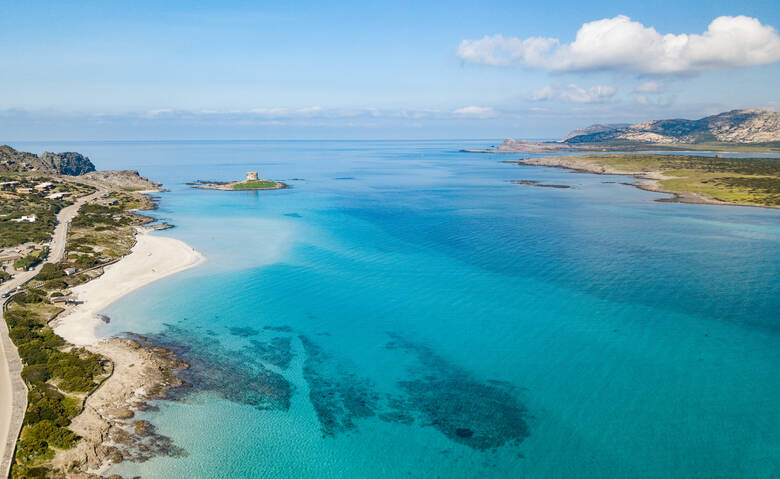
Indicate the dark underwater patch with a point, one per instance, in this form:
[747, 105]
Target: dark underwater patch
[537, 184]
[480, 415]
[277, 351]
[338, 396]
[243, 332]
[293, 215]
[280, 329]
[236, 375]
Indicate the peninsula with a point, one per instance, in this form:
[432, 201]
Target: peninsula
[71, 243]
[690, 178]
[251, 182]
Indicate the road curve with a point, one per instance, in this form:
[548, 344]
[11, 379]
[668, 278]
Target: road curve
[13, 391]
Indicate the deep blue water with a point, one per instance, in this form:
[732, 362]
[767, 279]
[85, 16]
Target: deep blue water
[404, 310]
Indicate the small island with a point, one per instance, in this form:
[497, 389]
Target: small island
[252, 182]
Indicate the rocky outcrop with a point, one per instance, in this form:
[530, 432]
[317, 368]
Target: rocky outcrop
[737, 126]
[109, 432]
[121, 179]
[68, 163]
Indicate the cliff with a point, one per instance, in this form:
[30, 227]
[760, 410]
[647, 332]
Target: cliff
[68, 163]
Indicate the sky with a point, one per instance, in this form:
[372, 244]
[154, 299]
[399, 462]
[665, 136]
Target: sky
[376, 70]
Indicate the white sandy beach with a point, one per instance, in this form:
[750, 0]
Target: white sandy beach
[152, 258]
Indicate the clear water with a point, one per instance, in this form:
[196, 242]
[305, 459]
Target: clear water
[437, 320]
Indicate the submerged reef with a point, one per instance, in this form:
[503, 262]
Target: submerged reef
[339, 397]
[237, 375]
[436, 393]
[277, 351]
[431, 391]
[243, 332]
[480, 415]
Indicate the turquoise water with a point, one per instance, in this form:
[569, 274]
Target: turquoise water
[406, 311]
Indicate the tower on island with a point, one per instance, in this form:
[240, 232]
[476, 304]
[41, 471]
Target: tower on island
[251, 176]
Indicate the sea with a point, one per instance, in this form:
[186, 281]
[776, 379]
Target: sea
[405, 310]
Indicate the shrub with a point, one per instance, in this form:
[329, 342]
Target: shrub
[53, 284]
[51, 271]
[85, 261]
[32, 259]
[49, 433]
[29, 297]
[36, 373]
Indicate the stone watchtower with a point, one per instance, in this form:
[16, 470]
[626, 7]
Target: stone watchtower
[251, 176]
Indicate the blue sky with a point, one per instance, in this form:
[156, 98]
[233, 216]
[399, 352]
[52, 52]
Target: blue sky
[127, 70]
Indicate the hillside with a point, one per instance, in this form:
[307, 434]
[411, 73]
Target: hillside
[68, 163]
[736, 126]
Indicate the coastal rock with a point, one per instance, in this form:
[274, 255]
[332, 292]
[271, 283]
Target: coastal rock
[140, 374]
[122, 179]
[67, 163]
[122, 413]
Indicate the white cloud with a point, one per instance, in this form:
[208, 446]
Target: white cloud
[500, 51]
[649, 87]
[624, 45]
[655, 100]
[475, 112]
[158, 112]
[573, 93]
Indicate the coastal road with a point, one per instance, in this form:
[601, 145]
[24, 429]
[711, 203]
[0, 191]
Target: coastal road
[13, 392]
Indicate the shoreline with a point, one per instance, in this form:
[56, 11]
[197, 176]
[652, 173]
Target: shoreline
[13, 399]
[649, 179]
[139, 372]
[151, 258]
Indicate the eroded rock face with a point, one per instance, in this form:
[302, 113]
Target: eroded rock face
[68, 163]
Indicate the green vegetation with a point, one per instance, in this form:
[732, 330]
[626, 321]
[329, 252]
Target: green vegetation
[32, 259]
[255, 185]
[627, 145]
[51, 271]
[751, 181]
[56, 377]
[14, 204]
[57, 374]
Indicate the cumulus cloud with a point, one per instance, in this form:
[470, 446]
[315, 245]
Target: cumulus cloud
[574, 93]
[475, 112]
[624, 45]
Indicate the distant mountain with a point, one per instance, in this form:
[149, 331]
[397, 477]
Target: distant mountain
[736, 126]
[593, 129]
[68, 163]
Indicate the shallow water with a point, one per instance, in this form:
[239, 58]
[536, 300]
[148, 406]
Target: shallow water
[404, 310]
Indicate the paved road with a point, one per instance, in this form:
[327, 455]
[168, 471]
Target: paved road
[13, 392]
